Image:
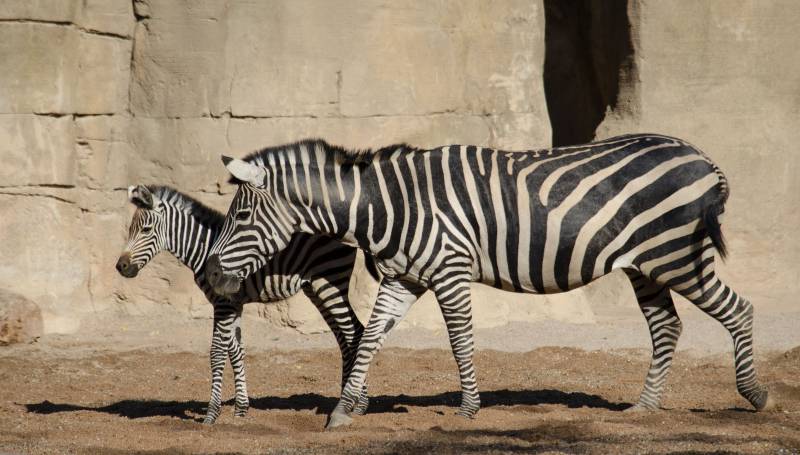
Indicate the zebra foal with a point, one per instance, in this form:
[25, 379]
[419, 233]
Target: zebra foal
[540, 221]
[166, 219]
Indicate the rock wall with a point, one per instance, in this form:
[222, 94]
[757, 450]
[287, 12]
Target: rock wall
[725, 75]
[96, 95]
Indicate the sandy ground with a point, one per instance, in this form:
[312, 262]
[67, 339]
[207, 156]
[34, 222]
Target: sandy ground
[108, 395]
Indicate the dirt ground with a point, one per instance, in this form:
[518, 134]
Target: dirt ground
[549, 400]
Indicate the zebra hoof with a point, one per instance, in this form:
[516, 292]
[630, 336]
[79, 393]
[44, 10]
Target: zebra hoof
[361, 407]
[240, 412]
[209, 420]
[466, 413]
[766, 403]
[338, 419]
[639, 408]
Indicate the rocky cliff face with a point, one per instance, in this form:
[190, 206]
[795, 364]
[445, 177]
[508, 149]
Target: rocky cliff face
[96, 95]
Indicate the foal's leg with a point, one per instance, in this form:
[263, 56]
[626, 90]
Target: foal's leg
[217, 357]
[236, 356]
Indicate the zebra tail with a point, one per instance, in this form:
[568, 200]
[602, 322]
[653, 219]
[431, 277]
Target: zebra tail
[372, 268]
[716, 208]
[712, 213]
[711, 221]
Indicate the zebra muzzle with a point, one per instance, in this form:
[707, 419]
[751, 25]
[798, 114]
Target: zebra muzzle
[222, 283]
[125, 268]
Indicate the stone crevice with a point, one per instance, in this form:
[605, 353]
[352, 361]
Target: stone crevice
[88, 31]
[41, 185]
[49, 196]
[227, 115]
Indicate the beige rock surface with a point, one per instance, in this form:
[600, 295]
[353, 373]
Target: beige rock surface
[20, 319]
[37, 150]
[726, 77]
[114, 17]
[54, 68]
[96, 95]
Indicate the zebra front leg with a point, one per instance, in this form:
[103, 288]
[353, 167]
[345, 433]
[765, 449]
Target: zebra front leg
[665, 327]
[394, 300]
[454, 297]
[217, 356]
[236, 356]
[332, 303]
[348, 360]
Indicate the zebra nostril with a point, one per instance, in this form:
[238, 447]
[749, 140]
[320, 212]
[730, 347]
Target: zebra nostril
[125, 268]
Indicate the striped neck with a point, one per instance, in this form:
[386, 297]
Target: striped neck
[189, 238]
[323, 192]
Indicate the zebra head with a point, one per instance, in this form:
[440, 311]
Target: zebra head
[146, 234]
[256, 227]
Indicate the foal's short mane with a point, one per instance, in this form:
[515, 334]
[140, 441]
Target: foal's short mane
[203, 213]
[340, 154]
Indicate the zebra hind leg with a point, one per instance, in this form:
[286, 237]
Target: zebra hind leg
[665, 329]
[735, 314]
[698, 282]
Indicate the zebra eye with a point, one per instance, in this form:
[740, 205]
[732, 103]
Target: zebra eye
[147, 229]
[243, 215]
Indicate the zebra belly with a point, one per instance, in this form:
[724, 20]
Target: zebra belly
[526, 286]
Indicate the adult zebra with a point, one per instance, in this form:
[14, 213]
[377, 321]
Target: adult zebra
[537, 221]
[167, 219]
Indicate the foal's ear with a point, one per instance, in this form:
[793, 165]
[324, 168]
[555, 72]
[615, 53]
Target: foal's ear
[141, 197]
[244, 171]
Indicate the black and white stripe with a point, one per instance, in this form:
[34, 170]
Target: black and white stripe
[538, 221]
[169, 220]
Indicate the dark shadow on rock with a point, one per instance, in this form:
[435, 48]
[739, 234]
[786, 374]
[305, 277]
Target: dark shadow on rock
[589, 66]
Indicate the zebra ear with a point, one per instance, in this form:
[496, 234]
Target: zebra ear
[244, 171]
[141, 197]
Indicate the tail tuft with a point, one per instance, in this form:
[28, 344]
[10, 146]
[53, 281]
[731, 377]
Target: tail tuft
[714, 229]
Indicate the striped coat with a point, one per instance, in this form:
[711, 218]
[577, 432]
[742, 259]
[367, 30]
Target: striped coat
[166, 219]
[537, 221]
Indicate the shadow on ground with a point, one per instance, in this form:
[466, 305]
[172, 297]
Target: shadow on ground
[132, 409]
[190, 410]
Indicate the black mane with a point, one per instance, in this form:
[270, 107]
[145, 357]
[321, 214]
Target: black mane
[203, 213]
[340, 154]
